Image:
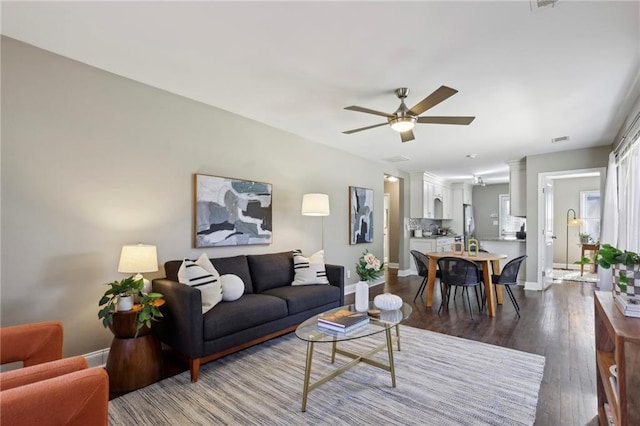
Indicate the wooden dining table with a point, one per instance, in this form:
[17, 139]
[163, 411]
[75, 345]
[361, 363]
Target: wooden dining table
[486, 260]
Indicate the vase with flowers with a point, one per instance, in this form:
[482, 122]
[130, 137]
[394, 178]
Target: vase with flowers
[368, 268]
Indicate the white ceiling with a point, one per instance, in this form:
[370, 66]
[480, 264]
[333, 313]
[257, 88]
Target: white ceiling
[571, 70]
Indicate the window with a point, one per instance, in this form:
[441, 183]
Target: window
[590, 214]
[509, 225]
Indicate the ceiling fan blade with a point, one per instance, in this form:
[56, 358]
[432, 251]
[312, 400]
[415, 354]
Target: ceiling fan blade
[439, 95]
[368, 111]
[348, 132]
[446, 120]
[407, 136]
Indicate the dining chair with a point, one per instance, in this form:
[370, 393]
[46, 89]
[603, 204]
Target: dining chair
[509, 277]
[422, 266]
[458, 272]
[480, 275]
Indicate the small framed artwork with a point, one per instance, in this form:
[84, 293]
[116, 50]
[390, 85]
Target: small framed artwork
[360, 215]
[231, 212]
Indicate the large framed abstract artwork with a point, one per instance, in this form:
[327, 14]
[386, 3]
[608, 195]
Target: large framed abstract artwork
[360, 215]
[231, 212]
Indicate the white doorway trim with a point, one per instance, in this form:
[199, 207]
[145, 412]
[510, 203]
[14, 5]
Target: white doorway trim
[385, 244]
[542, 178]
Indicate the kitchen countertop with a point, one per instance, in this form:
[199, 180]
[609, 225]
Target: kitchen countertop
[435, 237]
[503, 240]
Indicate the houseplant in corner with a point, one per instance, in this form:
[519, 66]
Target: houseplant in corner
[368, 268]
[147, 308]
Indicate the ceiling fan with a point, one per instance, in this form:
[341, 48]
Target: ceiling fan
[403, 119]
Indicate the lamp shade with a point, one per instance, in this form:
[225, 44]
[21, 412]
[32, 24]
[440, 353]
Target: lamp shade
[574, 222]
[138, 258]
[315, 205]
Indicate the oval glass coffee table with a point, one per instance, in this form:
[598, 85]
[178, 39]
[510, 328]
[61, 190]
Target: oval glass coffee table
[310, 332]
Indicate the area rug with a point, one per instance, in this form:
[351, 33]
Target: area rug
[441, 380]
[560, 275]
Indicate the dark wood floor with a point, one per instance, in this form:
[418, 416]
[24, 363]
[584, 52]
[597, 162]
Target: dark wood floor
[556, 323]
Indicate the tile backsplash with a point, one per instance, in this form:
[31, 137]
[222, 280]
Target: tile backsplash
[423, 223]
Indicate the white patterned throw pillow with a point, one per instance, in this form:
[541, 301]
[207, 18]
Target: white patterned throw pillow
[309, 270]
[202, 275]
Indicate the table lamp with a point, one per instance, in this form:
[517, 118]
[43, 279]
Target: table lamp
[137, 259]
[316, 205]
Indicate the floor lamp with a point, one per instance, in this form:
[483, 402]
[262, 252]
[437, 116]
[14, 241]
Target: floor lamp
[316, 205]
[572, 220]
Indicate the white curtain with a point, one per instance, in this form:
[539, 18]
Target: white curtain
[629, 199]
[609, 230]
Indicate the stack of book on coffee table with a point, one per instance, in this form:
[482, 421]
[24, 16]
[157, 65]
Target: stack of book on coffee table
[343, 320]
[630, 306]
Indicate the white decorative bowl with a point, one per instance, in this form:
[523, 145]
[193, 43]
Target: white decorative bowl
[387, 302]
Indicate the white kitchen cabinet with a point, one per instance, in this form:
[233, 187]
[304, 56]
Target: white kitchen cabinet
[518, 188]
[430, 198]
[466, 194]
[423, 245]
[421, 196]
[447, 203]
[512, 248]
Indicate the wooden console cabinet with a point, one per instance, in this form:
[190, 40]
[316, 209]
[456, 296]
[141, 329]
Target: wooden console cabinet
[617, 342]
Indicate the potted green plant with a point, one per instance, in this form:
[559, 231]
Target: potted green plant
[147, 309]
[626, 262]
[446, 230]
[585, 238]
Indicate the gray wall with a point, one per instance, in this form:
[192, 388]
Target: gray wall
[92, 161]
[395, 224]
[566, 195]
[566, 160]
[486, 202]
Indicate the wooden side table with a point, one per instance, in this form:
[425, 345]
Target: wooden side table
[593, 248]
[133, 362]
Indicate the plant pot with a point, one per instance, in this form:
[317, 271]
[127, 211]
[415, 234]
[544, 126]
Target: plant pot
[633, 275]
[125, 303]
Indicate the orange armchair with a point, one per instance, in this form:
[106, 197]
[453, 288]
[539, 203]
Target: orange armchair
[48, 390]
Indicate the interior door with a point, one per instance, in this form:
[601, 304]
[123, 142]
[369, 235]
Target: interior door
[386, 230]
[547, 231]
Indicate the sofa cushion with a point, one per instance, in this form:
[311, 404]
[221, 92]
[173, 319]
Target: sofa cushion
[236, 265]
[302, 298]
[171, 269]
[270, 270]
[309, 270]
[249, 311]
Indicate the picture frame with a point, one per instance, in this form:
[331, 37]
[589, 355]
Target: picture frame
[231, 212]
[360, 215]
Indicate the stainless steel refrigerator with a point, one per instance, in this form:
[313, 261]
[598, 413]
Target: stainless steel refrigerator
[469, 224]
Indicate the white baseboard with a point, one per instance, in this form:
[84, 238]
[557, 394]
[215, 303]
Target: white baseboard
[406, 272]
[534, 286]
[569, 266]
[351, 288]
[97, 358]
[393, 265]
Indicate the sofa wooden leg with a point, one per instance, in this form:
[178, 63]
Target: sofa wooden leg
[194, 367]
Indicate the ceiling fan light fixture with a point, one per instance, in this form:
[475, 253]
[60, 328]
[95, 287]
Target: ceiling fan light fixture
[402, 124]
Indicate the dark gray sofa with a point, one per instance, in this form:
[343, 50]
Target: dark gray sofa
[269, 307]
